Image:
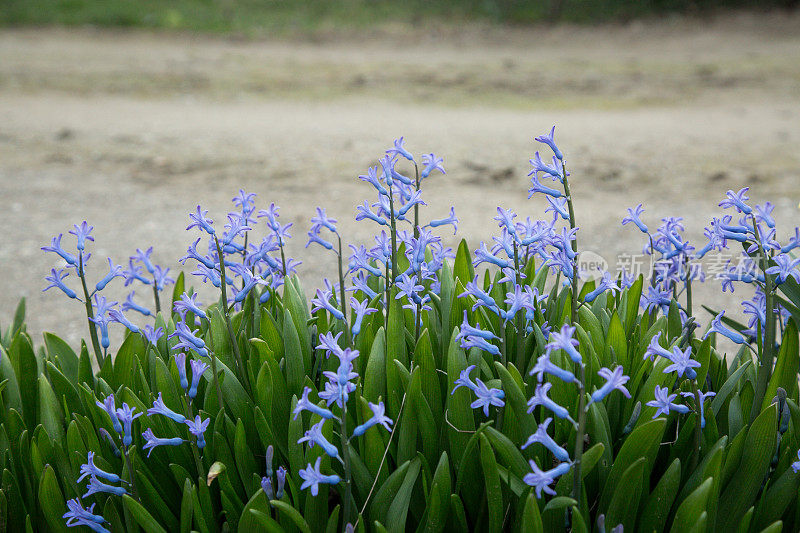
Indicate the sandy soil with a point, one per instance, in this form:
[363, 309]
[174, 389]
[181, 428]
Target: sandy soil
[131, 130]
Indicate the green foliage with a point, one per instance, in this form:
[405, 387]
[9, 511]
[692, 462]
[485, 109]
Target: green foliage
[445, 467]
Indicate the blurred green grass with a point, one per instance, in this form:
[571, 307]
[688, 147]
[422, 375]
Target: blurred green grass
[265, 17]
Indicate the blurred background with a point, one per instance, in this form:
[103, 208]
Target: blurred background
[128, 114]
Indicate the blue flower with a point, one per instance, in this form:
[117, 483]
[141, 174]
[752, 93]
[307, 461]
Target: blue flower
[82, 233]
[101, 308]
[378, 418]
[431, 163]
[303, 404]
[115, 315]
[614, 380]
[95, 485]
[197, 427]
[558, 206]
[633, 216]
[545, 366]
[737, 201]
[360, 260]
[159, 408]
[796, 464]
[199, 220]
[126, 415]
[703, 396]
[188, 339]
[786, 267]
[56, 247]
[663, 402]
[364, 212]
[540, 398]
[245, 201]
[161, 278]
[80, 516]
[266, 486]
[361, 309]
[129, 304]
[682, 362]
[563, 340]
[90, 469]
[144, 258]
[55, 278]
[480, 343]
[483, 255]
[314, 436]
[452, 219]
[400, 150]
[322, 302]
[186, 304]
[539, 166]
[198, 368]
[718, 327]
[549, 141]
[541, 480]
[466, 330]
[180, 363]
[281, 481]
[485, 395]
[109, 406]
[151, 441]
[312, 477]
[547, 441]
[607, 283]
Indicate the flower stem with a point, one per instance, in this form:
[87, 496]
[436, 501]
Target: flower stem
[130, 473]
[342, 302]
[768, 351]
[347, 476]
[89, 313]
[577, 491]
[224, 305]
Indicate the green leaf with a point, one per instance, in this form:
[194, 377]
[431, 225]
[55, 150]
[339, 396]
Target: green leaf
[50, 412]
[644, 441]
[293, 357]
[493, 490]
[625, 501]
[142, 517]
[51, 500]
[27, 371]
[438, 504]
[60, 353]
[531, 518]
[292, 514]
[728, 387]
[786, 368]
[741, 492]
[656, 510]
[267, 523]
[462, 268]
[375, 372]
[388, 498]
[691, 509]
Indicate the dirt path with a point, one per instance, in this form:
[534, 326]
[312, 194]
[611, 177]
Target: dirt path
[130, 131]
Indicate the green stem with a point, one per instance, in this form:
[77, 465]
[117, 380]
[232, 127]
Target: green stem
[224, 304]
[577, 491]
[347, 476]
[155, 295]
[768, 351]
[520, 359]
[89, 313]
[697, 429]
[342, 302]
[134, 490]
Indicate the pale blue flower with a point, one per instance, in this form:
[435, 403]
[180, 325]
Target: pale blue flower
[378, 418]
[547, 441]
[312, 477]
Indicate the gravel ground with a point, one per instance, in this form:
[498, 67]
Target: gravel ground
[130, 131]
